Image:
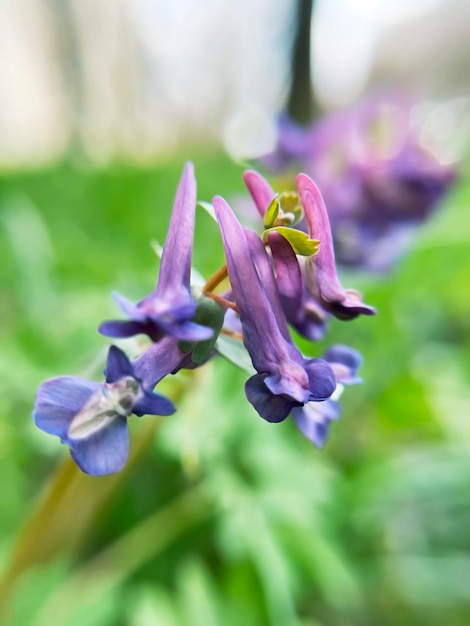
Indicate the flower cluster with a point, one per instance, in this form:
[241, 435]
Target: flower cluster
[378, 180]
[279, 277]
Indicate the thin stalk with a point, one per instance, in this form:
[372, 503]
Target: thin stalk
[215, 280]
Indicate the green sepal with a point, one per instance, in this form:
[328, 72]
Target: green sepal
[299, 241]
[272, 212]
[211, 314]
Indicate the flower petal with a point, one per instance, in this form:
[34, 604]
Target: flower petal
[343, 303]
[58, 400]
[313, 420]
[175, 266]
[188, 331]
[129, 308]
[120, 329]
[153, 404]
[272, 408]
[260, 190]
[261, 333]
[158, 361]
[117, 365]
[105, 451]
[322, 381]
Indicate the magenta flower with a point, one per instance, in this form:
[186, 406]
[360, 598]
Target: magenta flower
[310, 288]
[321, 277]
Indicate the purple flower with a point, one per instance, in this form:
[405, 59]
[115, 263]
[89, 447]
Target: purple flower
[321, 276]
[91, 417]
[170, 308]
[309, 289]
[313, 419]
[284, 379]
[378, 181]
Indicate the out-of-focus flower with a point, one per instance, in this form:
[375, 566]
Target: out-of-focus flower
[91, 417]
[377, 180]
[170, 308]
[284, 379]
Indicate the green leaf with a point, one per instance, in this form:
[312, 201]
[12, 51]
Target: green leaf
[234, 350]
[207, 206]
[271, 213]
[300, 242]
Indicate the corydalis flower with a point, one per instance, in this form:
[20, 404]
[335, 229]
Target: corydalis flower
[284, 379]
[309, 290]
[378, 181]
[314, 418]
[322, 279]
[170, 308]
[91, 417]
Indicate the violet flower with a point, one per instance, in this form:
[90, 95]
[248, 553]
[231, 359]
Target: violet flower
[284, 379]
[311, 290]
[91, 417]
[170, 308]
[314, 418]
[301, 309]
[378, 181]
[321, 276]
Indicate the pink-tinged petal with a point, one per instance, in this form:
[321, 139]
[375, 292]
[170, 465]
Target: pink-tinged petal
[323, 280]
[175, 267]
[260, 190]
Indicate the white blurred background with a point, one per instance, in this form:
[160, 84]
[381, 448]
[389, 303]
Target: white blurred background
[140, 79]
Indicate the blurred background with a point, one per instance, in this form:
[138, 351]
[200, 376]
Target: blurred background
[219, 517]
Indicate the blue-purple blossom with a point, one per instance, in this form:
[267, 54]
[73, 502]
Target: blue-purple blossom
[170, 308]
[314, 418]
[91, 417]
[378, 181]
[284, 379]
[309, 288]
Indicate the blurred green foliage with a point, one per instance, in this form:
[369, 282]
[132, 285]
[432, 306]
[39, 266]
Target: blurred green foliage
[221, 518]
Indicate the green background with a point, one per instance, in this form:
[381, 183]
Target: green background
[219, 517]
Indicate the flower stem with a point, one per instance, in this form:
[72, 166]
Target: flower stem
[215, 280]
[222, 301]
